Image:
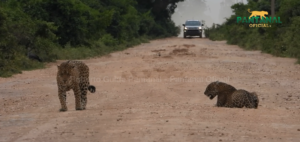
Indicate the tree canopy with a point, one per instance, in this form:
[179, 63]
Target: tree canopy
[281, 39]
[48, 28]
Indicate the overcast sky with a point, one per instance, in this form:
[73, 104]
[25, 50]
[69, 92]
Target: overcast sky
[210, 11]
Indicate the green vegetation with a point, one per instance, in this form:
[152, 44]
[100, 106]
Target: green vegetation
[76, 29]
[279, 39]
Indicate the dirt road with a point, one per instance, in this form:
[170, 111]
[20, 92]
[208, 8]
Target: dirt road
[154, 92]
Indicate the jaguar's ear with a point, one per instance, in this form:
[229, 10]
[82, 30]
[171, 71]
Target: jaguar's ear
[58, 66]
[215, 86]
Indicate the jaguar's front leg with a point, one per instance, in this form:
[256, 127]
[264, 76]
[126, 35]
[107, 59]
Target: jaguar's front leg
[62, 97]
[221, 101]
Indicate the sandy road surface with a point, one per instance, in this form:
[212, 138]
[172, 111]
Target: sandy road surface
[154, 92]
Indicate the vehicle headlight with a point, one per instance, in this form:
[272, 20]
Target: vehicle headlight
[200, 28]
[185, 28]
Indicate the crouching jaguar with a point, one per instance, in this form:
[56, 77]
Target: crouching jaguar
[73, 75]
[228, 96]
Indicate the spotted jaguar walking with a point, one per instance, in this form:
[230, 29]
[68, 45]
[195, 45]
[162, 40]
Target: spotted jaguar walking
[74, 75]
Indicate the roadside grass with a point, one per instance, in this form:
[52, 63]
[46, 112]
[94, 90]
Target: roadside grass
[97, 49]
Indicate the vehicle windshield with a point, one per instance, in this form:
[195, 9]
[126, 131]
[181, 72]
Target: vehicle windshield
[192, 23]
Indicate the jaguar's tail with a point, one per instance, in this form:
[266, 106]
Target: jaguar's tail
[92, 88]
[255, 99]
[249, 11]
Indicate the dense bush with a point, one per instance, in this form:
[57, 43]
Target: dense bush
[280, 39]
[75, 29]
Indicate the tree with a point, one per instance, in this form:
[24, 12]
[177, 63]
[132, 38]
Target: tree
[272, 8]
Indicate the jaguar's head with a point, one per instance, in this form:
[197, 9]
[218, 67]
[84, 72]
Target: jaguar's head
[211, 90]
[64, 74]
